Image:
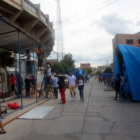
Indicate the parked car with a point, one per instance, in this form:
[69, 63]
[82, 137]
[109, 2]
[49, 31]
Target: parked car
[65, 79]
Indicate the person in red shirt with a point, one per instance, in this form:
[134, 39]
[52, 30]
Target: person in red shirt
[40, 57]
[12, 84]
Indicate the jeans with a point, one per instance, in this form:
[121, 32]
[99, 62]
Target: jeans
[81, 91]
[27, 91]
[55, 90]
[46, 92]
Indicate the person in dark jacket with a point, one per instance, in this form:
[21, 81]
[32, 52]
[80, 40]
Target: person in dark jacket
[28, 85]
[62, 86]
[117, 86]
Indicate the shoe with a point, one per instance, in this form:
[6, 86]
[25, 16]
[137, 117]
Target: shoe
[114, 99]
[2, 132]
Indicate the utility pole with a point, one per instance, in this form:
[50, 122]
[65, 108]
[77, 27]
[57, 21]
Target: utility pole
[59, 32]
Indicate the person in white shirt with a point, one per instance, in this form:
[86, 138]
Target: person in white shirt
[47, 78]
[81, 87]
[55, 86]
[72, 84]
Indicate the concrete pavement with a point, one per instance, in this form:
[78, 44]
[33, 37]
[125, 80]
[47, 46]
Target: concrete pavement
[97, 118]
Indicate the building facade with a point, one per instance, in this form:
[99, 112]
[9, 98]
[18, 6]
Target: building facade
[85, 66]
[126, 39]
[101, 68]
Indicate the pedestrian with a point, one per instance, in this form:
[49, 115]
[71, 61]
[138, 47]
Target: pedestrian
[28, 85]
[117, 86]
[40, 57]
[55, 86]
[28, 62]
[72, 84]
[81, 87]
[33, 85]
[20, 84]
[2, 127]
[3, 131]
[62, 86]
[12, 84]
[48, 79]
[88, 77]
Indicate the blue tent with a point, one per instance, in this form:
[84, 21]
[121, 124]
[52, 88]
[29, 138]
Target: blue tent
[109, 75]
[77, 72]
[127, 64]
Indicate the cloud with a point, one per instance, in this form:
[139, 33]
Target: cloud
[94, 60]
[113, 24]
[138, 23]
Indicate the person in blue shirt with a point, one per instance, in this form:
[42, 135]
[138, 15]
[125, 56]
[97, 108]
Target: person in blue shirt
[55, 86]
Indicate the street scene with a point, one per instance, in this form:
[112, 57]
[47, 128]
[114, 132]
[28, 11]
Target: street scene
[69, 70]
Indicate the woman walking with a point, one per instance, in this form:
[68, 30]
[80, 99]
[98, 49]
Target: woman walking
[81, 87]
[62, 86]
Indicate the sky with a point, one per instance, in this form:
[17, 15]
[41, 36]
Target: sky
[90, 25]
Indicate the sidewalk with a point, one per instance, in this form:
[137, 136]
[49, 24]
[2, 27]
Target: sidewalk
[29, 103]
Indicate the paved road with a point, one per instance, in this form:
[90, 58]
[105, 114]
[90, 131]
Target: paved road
[97, 118]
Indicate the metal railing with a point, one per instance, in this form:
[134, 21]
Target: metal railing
[30, 7]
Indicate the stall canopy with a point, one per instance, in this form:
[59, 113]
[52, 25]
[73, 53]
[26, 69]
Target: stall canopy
[127, 63]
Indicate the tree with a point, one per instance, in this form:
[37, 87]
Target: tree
[6, 59]
[108, 70]
[88, 71]
[68, 60]
[55, 67]
[98, 73]
[63, 66]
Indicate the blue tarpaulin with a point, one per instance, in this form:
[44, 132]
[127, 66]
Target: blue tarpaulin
[109, 75]
[131, 62]
[77, 72]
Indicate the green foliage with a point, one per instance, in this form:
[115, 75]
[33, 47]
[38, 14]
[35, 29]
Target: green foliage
[68, 60]
[108, 70]
[54, 67]
[6, 59]
[98, 73]
[62, 66]
[88, 71]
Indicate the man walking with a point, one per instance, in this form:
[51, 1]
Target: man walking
[72, 84]
[117, 86]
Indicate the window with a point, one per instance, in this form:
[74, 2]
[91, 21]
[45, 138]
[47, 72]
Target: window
[129, 41]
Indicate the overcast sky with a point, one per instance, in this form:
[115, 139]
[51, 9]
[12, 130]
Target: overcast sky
[90, 25]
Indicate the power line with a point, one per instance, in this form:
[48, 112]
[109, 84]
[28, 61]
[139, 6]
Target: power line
[92, 13]
[93, 8]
